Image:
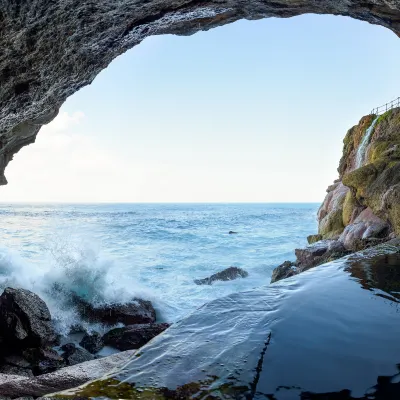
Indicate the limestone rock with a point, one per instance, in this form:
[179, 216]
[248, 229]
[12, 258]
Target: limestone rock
[25, 319]
[133, 337]
[51, 49]
[65, 378]
[227, 274]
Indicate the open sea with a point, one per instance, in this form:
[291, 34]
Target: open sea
[113, 252]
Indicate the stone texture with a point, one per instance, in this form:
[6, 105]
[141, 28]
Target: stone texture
[51, 49]
[319, 253]
[137, 311]
[285, 270]
[65, 378]
[133, 337]
[227, 274]
[92, 342]
[25, 319]
[75, 355]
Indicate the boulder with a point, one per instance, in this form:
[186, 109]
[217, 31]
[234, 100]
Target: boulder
[75, 355]
[25, 319]
[285, 270]
[133, 337]
[137, 311]
[319, 253]
[43, 360]
[16, 365]
[228, 274]
[92, 342]
[367, 229]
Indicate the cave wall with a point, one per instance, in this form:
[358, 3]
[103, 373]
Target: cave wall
[52, 48]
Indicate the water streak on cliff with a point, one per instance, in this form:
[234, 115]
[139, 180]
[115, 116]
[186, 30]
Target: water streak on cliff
[360, 157]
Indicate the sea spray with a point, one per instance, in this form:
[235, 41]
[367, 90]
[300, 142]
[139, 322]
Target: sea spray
[362, 147]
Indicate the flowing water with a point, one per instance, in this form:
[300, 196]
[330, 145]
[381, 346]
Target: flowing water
[362, 148]
[113, 252]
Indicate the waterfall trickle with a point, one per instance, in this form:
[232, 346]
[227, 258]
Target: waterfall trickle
[362, 147]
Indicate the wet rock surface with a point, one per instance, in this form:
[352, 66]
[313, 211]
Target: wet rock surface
[75, 355]
[51, 49]
[133, 337]
[283, 271]
[343, 318]
[138, 311]
[25, 319]
[92, 342]
[228, 274]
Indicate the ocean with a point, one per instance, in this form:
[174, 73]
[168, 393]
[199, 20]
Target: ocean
[111, 253]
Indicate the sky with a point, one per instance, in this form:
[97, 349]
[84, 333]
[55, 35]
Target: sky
[255, 111]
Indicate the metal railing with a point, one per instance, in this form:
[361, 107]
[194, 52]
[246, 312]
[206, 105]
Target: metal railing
[386, 107]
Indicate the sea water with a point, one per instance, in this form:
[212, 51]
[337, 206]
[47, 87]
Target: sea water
[111, 253]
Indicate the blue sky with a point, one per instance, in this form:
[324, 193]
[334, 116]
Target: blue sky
[252, 111]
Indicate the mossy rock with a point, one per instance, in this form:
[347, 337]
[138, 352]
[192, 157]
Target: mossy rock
[362, 178]
[332, 225]
[384, 151]
[314, 238]
[350, 204]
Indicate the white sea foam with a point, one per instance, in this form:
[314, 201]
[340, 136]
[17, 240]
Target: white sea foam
[113, 253]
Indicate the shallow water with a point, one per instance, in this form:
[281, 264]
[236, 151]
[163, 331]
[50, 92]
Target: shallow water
[330, 333]
[111, 252]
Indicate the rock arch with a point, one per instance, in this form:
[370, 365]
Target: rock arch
[52, 48]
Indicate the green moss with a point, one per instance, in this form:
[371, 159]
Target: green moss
[314, 238]
[349, 204]
[360, 179]
[384, 117]
[332, 225]
[383, 151]
[114, 389]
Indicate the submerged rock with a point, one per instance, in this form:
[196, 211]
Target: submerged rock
[25, 319]
[137, 311]
[92, 342]
[75, 355]
[285, 270]
[228, 274]
[133, 337]
[232, 232]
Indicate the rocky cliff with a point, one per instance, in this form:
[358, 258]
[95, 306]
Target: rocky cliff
[362, 207]
[364, 203]
[52, 48]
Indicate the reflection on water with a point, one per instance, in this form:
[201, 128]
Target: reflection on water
[382, 272]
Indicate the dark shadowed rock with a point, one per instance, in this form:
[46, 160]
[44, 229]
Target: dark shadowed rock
[133, 337]
[137, 311]
[92, 342]
[25, 319]
[285, 270]
[43, 360]
[16, 365]
[319, 253]
[75, 355]
[228, 274]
